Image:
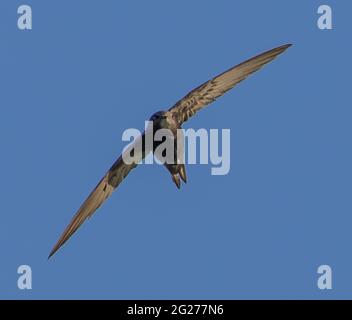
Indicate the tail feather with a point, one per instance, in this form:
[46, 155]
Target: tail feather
[176, 179]
[182, 172]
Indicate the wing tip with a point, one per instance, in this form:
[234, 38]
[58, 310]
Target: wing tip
[53, 251]
[84, 212]
[285, 46]
[51, 254]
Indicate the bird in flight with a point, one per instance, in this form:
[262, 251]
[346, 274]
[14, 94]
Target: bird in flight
[172, 120]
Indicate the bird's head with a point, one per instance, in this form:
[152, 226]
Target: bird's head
[157, 116]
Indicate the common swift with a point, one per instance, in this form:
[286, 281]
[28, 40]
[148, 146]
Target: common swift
[172, 120]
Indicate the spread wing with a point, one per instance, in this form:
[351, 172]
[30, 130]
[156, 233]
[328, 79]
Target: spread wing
[216, 87]
[117, 173]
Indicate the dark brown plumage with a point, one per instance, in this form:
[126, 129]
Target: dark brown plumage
[171, 119]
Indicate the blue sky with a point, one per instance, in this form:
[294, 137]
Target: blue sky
[89, 70]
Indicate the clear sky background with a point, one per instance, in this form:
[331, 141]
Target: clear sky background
[91, 69]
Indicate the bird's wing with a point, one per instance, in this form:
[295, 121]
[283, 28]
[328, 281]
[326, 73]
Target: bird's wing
[216, 87]
[119, 170]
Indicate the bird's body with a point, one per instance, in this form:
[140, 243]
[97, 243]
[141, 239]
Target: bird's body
[171, 120]
[168, 121]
